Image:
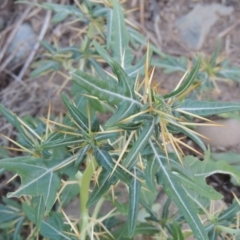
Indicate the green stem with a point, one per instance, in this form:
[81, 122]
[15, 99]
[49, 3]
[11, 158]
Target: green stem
[84, 183]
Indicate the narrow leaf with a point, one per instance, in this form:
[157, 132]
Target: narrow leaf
[134, 195]
[105, 160]
[187, 83]
[102, 186]
[202, 108]
[76, 113]
[176, 192]
[140, 143]
[119, 37]
[104, 90]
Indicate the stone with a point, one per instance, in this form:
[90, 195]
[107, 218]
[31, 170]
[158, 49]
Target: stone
[22, 43]
[195, 25]
[222, 136]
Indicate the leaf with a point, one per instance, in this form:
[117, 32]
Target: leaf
[103, 136]
[124, 111]
[136, 70]
[119, 37]
[82, 155]
[187, 83]
[9, 215]
[105, 160]
[150, 173]
[171, 64]
[39, 206]
[230, 213]
[176, 231]
[44, 67]
[76, 114]
[134, 195]
[37, 178]
[67, 9]
[58, 17]
[104, 90]
[146, 229]
[203, 169]
[69, 192]
[199, 185]
[229, 72]
[190, 134]
[202, 108]
[52, 228]
[140, 143]
[101, 187]
[11, 118]
[61, 142]
[49, 47]
[178, 195]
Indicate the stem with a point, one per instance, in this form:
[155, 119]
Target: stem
[84, 183]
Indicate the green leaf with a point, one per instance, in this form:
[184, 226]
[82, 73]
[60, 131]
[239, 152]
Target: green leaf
[134, 195]
[150, 173]
[147, 199]
[18, 228]
[58, 17]
[124, 111]
[174, 189]
[82, 155]
[49, 47]
[103, 136]
[67, 141]
[171, 64]
[130, 126]
[39, 206]
[176, 231]
[52, 228]
[190, 134]
[146, 229]
[76, 114]
[9, 215]
[187, 83]
[44, 67]
[230, 213]
[203, 169]
[37, 177]
[105, 160]
[60, 8]
[119, 37]
[101, 187]
[199, 185]
[202, 108]
[232, 73]
[69, 192]
[95, 124]
[8, 115]
[140, 143]
[104, 90]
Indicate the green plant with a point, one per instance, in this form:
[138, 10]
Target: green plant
[213, 68]
[80, 157]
